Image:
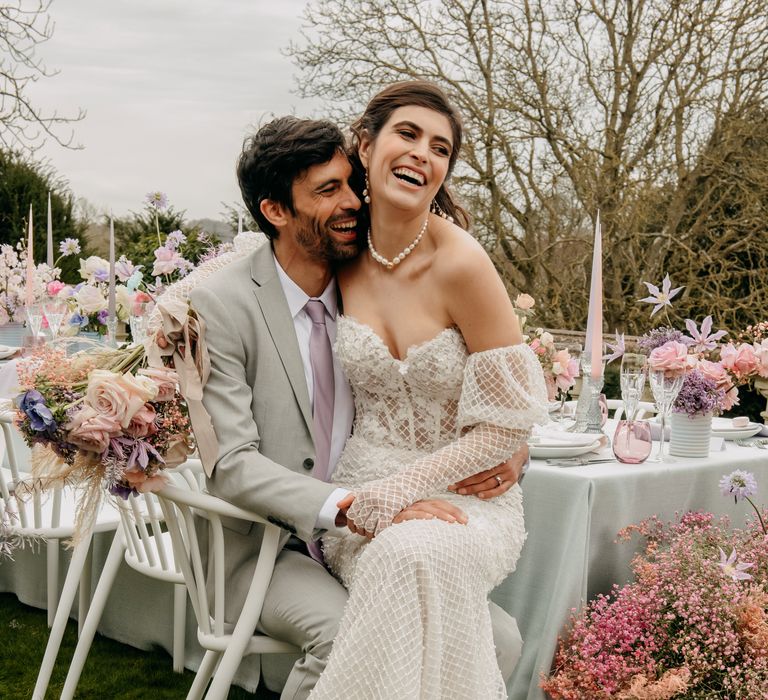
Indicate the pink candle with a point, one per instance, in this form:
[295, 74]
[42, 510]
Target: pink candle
[594, 339]
[49, 257]
[30, 290]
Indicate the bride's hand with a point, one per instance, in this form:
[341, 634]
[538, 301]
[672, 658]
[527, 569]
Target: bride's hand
[485, 484]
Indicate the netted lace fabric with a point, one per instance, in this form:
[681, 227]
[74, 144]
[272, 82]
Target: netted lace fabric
[417, 623]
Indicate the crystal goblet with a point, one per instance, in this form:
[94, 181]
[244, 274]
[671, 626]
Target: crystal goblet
[665, 387]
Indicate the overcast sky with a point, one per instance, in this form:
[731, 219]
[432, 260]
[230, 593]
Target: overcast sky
[170, 87]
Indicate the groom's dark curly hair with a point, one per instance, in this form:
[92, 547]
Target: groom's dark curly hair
[276, 155]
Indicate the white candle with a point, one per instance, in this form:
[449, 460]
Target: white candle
[49, 258]
[30, 290]
[111, 298]
[594, 339]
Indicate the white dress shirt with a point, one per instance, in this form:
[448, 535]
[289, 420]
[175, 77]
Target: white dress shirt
[343, 404]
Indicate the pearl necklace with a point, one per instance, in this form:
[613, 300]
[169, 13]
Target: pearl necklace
[390, 264]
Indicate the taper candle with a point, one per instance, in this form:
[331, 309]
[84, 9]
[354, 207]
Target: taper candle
[594, 339]
[30, 289]
[111, 297]
[49, 257]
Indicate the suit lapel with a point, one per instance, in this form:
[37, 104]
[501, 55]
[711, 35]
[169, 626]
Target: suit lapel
[277, 315]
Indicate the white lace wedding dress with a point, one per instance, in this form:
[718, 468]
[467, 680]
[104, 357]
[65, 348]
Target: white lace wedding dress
[417, 625]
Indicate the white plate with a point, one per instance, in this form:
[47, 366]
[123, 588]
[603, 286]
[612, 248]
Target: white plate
[737, 433]
[7, 351]
[551, 451]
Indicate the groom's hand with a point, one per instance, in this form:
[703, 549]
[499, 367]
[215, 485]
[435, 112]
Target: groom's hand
[485, 484]
[431, 508]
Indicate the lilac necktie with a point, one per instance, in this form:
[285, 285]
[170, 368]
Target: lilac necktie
[321, 359]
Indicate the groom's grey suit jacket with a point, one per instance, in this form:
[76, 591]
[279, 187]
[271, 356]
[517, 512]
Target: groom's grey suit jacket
[258, 401]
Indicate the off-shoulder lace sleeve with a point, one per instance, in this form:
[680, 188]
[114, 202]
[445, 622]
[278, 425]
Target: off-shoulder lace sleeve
[503, 395]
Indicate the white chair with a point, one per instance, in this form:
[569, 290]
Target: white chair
[226, 645]
[144, 546]
[51, 516]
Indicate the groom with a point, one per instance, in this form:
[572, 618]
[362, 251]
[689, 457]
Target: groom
[266, 377]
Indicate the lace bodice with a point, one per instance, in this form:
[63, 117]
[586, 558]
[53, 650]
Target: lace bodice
[458, 412]
[410, 403]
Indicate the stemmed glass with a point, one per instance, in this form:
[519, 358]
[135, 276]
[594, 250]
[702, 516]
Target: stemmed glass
[54, 309]
[574, 361]
[632, 378]
[34, 313]
[665, 387]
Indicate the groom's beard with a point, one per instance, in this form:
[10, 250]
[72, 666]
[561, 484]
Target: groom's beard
[319, 242]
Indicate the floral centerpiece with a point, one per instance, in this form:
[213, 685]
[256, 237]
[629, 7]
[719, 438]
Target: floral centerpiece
[693, 624]
[101, 418]
[13, 282]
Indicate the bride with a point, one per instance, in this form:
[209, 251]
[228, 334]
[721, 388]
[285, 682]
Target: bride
[443, 388]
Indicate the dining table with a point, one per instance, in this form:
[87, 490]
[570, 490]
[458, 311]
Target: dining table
[572, 513]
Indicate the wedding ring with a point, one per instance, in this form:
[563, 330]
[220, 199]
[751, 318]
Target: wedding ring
[498, 478]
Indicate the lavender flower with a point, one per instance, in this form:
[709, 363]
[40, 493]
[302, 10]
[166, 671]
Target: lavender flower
[740, 484]
[175, 239]
[699, 395]
[158, 200]
[69, 246]
[736, 570]
[102, 317]
[657, 337]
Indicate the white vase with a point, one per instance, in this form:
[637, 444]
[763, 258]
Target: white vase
[689, 437]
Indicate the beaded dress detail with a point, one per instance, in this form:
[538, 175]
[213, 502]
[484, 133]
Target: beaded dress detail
[417, 625]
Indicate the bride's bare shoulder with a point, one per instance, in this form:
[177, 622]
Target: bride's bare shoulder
[459, 256]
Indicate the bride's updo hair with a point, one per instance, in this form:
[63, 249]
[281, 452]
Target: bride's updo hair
[412, 93]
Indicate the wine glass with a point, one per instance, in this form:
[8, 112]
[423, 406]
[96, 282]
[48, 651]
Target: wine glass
[54, 309]
[665, 387]
[139, 322]
[632, 380]
[632, 441]
[34, 313]
[574, 360]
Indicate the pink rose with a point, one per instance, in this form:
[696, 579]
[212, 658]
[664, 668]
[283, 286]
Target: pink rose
[165, 379]
[524, 302]
[140, 301]
[672, 358]
[54, 287]
[91, 430]
[741, 361]
[718, 374]
[166, 261]
[761, 354]
[119, 396]
[565, 368]
[143, 422]
[145, 483]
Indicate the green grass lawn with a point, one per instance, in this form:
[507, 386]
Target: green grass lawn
[113, 670]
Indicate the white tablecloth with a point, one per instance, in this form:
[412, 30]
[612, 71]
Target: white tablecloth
[572, 517]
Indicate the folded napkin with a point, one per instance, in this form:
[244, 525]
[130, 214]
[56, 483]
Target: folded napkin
[548, 435]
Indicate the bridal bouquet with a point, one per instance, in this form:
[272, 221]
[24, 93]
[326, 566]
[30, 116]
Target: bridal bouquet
[103, 419]
[693, 625]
